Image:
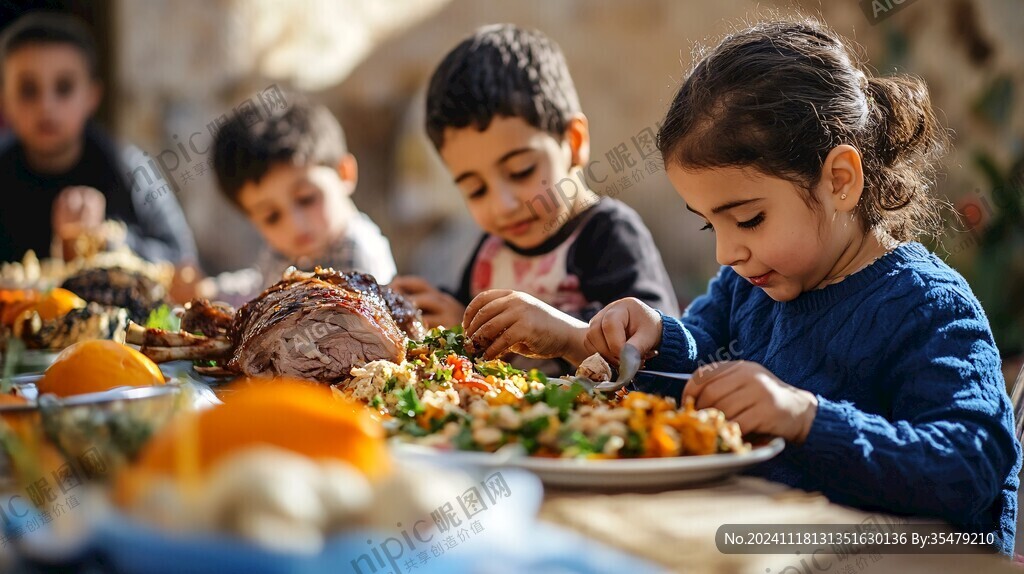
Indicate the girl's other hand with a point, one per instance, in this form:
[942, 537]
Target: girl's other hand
[624, 321]
[439, 308]
[500, 321]
[753, 397]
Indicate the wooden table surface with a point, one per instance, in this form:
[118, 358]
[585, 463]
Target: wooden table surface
[677, 529]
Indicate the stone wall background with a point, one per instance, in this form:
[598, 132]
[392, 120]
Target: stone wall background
[184, 63]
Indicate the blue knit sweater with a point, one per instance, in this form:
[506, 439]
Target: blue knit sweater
[913, 414]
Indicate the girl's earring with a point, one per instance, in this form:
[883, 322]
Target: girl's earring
[843, 196]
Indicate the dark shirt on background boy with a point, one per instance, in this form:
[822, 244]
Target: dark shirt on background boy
[603, 254]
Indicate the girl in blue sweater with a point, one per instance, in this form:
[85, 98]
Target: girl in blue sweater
[867, 353]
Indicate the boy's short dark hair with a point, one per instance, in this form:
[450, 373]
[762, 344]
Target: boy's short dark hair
[50, 28]
[501, 70]
[302, 134]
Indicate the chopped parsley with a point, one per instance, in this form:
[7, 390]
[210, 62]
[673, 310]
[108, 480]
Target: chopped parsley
[634, 445]
[563, 398]
[409, 405]
[537, 376]
[464, 440]
[529, 431]
[443, 342]
[497, 368]
[580, 445]
[442, 374]
[163, 318]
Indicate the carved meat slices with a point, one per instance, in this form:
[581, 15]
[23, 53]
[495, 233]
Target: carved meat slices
[314, 326]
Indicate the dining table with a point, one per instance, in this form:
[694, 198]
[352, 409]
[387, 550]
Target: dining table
[677, 529]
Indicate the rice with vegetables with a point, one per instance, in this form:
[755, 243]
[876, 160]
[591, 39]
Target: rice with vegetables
[443, 398]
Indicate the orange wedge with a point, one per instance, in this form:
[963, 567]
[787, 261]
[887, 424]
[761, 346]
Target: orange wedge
[285, 413]
[57, 303]
[98, 365]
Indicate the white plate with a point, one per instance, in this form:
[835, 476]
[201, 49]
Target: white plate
[170, 371]
[632, 473]
[203, 396]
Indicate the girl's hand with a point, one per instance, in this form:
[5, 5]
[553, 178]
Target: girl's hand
[624, 321]
[757, 400]
[439, 308]
[500, 321]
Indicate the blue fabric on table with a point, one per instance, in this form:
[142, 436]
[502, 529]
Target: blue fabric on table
[512, 541]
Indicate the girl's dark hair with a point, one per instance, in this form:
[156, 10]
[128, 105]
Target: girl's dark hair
[779, 96]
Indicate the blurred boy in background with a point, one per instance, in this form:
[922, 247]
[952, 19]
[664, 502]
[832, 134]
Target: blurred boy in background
[293, 177]
[62, 177]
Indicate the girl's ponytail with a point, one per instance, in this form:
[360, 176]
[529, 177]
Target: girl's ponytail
[903, 142]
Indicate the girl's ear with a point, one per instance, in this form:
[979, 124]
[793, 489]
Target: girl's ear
[348, 172]
[577, 133]
[843, 177]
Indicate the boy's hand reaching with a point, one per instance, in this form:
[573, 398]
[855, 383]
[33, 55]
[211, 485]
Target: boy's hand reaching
[624, 321]
[500, 321]
[755, 398]
[439, 308]
[78, 210]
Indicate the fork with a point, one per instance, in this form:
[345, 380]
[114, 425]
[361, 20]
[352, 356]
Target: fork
[630, 361]
[612, 386]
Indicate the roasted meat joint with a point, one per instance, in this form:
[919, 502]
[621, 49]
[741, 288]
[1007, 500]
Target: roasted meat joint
[311, 325]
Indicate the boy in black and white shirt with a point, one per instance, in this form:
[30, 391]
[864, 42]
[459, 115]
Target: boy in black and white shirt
[503, 113]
